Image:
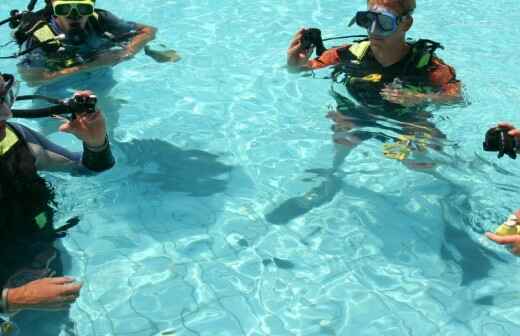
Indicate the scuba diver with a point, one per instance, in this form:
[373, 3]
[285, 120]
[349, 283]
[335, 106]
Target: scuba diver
[70, 45]
[508, 235]
[388, 80]
[30, 267]
[69, 37]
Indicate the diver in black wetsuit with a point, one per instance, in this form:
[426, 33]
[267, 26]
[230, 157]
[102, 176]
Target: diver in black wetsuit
[30, 271]
[386, 77]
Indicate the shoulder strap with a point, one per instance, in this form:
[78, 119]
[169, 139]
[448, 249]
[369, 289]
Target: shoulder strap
[96, 20]
[356, 51]
[44, 34]
[423, 52]
[9, 141]
[29, 23]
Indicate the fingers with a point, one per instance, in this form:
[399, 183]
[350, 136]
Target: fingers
[72, 289]
[514, 132]
[84, 93]
[297, 37]
[503, 240]
[507, 126]
[61, 280]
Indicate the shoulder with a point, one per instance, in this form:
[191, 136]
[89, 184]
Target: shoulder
[110, 20]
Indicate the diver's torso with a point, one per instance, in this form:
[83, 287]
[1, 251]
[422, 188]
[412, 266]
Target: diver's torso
[364, 79]
[25, 198]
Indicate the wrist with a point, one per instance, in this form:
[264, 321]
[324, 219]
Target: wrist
[9, 296]
[97, 145]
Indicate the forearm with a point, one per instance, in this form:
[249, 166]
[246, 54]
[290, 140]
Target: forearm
[146, 34]
[448, 94]
[328, 58]
[35, 77]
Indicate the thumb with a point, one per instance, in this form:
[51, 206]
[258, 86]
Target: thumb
[66, 127]
[514, 132]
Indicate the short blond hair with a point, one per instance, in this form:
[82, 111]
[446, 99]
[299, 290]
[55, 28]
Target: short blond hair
[402, 7]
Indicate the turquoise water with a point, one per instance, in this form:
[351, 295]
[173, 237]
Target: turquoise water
[175, 240]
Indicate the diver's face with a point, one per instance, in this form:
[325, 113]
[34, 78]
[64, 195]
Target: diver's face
[396, 37]
[73, 21]
[68, 23]
[5, 111]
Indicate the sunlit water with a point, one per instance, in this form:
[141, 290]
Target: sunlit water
[174, 239]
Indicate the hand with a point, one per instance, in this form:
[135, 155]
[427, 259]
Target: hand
[403, 97]
[513, 241]
[88, 127]
[297, 56]
[512, 130]
[44, 294]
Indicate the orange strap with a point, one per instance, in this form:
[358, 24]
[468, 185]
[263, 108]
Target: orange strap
[328, 58]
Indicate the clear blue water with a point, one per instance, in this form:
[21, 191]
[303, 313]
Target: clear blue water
[175, 240]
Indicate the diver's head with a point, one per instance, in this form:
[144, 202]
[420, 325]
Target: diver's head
[8, 92]
[387, 21]
[72, 14]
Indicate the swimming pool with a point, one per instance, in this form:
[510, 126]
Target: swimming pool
[174, 239]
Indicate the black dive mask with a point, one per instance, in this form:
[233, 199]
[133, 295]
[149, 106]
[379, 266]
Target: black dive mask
[498, 140]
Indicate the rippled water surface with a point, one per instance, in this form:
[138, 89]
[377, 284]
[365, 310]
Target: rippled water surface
[175, 240]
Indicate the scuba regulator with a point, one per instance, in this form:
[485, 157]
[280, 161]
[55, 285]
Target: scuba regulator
[498, 140]
[73, 106]
[312, 38]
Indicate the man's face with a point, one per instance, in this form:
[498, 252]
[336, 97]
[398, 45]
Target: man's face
[5, 111]
[394, 38]
[73, 21]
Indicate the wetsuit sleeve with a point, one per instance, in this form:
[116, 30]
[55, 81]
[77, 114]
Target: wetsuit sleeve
[117, 26]
[34, 59]
[443, 76]
[52, 157]
[328, 58]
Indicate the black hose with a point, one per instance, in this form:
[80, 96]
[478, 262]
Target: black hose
[41, 112]
[59, 107]
[31, 5]
[40, 97]
[344, 37]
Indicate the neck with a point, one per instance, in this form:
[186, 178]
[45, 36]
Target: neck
[387, 56]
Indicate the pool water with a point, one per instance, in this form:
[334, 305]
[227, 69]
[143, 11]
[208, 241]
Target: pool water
[174, 240]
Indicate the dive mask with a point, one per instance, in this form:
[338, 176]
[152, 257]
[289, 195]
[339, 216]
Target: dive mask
[381, 24]
[9, 90]
[73, 7]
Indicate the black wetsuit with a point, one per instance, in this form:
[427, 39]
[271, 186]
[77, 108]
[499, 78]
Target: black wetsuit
[27, 202]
